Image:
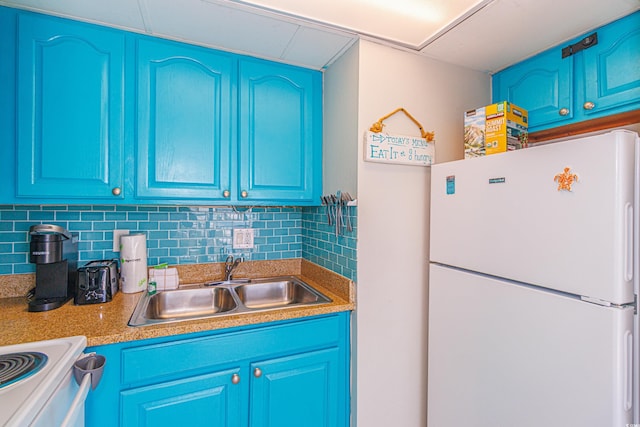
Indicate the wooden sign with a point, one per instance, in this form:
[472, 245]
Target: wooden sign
[398, 149]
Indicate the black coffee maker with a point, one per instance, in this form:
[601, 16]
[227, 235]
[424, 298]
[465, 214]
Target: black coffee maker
[54, 251]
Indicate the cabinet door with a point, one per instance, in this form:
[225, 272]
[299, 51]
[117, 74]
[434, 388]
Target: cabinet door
[280, 133]
[8, 49]
[612, 67]
[184, 121]
[70, 108]
[299, 390]
[210, 399]
[542, 85]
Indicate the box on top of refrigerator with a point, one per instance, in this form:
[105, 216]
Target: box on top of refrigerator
[505, 128]
[474, 123]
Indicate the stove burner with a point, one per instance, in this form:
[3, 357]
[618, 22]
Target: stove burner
[17, 366]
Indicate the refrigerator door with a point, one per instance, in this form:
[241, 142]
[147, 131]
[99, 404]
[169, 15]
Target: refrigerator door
[572, 366]
[505, 215]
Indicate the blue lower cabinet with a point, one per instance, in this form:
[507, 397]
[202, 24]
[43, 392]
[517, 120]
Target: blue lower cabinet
[209, 399]
[289, 373]
[299, 390]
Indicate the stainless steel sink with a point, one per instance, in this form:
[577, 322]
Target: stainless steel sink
[189, 303]
[224, 298]
[273, 294]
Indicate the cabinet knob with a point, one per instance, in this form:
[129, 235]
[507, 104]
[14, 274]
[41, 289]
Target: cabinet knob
[235, 379]
[244, 194]
[116, 191]
[589, 105]
[563, 111]
[257, 372]
[226, 194]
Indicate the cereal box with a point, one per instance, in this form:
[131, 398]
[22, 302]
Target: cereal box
[505, 128]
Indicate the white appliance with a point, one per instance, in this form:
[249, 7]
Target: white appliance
[533, 286]
[49, 395]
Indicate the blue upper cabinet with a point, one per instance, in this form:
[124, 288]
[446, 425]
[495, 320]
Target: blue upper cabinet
[70, 109]
[184, 121]
[280, 138]
[106, 116]
[542, 85]
[7, 105]
[612, 68]
[196, 142]
[600, 80]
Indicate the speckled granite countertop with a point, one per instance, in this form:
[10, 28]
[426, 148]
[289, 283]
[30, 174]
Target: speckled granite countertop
[107, 323]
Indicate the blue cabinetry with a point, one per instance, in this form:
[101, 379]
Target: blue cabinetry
[308, 379]
[612, 69]
[280, 133]
[283, 374]
[601, 80]
[184, 121]
[101, 115]
[70, 103]
[208, 399]
[542, 85]
[7, 106]
[226, 129]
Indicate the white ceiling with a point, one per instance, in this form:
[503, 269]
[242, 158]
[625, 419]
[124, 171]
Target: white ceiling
[407, 22]
[485, 35]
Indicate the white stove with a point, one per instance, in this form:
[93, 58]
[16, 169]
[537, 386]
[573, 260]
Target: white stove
[44, 397]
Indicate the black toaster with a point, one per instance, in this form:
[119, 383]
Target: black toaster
[98, 281]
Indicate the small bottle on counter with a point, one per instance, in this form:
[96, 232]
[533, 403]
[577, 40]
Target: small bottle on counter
[152, 288]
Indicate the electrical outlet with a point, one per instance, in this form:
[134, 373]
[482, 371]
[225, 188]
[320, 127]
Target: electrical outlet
[116, 239]
[243, 238]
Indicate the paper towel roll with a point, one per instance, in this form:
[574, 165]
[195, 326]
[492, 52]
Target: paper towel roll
[133, 259]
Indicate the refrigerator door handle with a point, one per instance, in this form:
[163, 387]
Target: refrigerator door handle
[628, 242]
[628, 371]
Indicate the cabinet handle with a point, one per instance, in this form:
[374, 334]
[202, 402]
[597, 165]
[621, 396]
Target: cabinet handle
[257, 372]
[244, 194]
[116, 191]
[563, 111]
[235, 379]
[589, 105]
[226, 194]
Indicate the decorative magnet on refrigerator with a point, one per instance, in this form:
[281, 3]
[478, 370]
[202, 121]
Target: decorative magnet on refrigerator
[565, 179]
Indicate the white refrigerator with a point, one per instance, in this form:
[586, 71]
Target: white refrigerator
[533, 284]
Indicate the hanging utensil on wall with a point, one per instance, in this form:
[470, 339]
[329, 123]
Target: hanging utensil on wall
[338, 212]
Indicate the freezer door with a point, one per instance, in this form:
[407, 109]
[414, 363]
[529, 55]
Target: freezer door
[503, 354]
[505, 215]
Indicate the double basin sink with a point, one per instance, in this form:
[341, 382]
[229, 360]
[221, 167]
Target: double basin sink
[224, 298]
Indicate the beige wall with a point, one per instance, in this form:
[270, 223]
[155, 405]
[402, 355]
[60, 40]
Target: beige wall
[390, 323]
[339, 148]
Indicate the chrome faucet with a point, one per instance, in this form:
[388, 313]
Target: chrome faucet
[229, 265]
